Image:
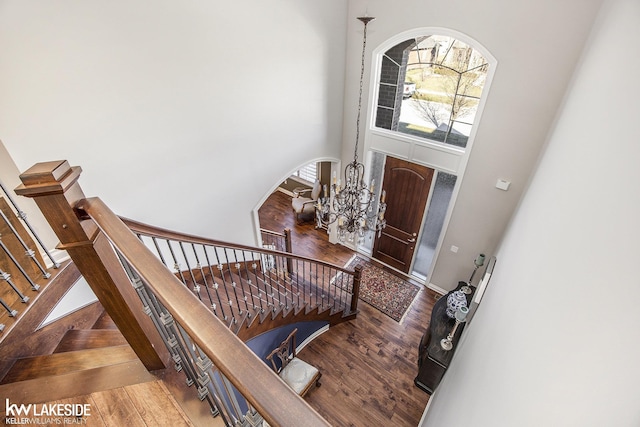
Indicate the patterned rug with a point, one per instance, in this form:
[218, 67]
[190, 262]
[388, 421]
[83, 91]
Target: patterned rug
[384, 291]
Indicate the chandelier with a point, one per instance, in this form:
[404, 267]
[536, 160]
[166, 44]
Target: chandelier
[350, 203]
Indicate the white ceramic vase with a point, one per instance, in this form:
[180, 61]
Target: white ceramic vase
[454, 301]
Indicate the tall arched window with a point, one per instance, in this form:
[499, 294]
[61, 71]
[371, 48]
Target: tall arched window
[428, 91]
[430, 87]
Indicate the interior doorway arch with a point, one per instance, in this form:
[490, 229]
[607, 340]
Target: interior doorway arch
[325, 172]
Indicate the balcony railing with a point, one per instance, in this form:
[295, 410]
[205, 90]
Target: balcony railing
[22, 266]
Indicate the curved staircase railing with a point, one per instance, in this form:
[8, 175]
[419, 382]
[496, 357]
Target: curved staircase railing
[275, 240]
[242, 284]
[165, 321]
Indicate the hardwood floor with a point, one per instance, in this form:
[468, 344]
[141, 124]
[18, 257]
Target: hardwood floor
[146, 404]
[367, 364]
[276, 215]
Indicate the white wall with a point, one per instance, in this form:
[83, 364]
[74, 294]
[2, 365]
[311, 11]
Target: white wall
[185, 114]
[181, 114]
[536, 44]
[554, 342]
[9, 173]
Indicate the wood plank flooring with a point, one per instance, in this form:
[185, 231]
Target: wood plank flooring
[368, 364]
[276, 214]
[140, 405]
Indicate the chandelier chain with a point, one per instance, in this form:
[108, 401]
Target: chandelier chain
[365, 21]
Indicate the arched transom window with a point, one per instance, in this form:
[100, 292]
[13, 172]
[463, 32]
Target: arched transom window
[430, 87]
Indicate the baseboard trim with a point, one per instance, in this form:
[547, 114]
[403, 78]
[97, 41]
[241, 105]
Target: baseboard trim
[426, 409]
[437, 289]
[312, 337]
[58, 255]
[287, 192]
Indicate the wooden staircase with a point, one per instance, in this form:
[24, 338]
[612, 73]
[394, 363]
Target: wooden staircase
[262, 313]
[93, 358]
[84, 361]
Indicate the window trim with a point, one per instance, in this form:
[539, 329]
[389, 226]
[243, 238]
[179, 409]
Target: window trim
[301, 179]
[376, 79]
[404, 146]
[442, 157]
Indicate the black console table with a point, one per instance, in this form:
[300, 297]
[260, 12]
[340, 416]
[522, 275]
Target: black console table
[433, 360]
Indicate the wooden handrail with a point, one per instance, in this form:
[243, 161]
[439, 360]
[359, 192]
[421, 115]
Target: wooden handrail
[89, 231]
[271, 232]
[273, 399]
[162, 233]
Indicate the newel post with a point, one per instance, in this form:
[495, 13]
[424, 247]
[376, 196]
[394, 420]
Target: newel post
[55, 189]
[356, 287]
[288, 247]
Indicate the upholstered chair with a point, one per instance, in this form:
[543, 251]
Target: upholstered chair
[296, 373]
[304, 201]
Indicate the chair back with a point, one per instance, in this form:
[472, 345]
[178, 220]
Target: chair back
[315, 191]
[285, 352]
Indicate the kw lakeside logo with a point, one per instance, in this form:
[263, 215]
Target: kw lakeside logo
[46, 413]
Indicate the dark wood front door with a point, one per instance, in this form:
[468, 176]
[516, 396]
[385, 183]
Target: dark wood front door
[407, 186]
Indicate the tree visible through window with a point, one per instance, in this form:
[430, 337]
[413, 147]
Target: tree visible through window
[431, 87]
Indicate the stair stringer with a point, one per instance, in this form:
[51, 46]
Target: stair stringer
[121, 370]
[282, 319]
[25, 339]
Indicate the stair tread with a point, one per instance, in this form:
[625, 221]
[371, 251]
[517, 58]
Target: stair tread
[78, 383]
[61, 363]
[80, 339]
[105, 322]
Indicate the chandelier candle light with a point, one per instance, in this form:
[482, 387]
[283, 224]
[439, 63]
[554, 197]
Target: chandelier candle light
[461, 316]
[478, 262]
[350, 204]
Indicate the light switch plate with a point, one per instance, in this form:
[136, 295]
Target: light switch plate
[503, 184]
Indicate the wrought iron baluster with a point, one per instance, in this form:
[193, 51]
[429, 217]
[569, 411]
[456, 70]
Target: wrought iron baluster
[204, 279]
[340, 293]
[7, 278]
[196, 286]
[176, 340]
[12, 312]
[238, 266]
[318, 282]
[34, 286]
[229, 392]
[275, 278]
[224, 282]
[214, 284]
[234, 285]
[176, 264]
[267, 279]
[151, 307]
[326, 296]
[298, 283]
[23, 217]
[196, 360]
[254, 269]
[28, 251]
[248, 278]
[159, 252]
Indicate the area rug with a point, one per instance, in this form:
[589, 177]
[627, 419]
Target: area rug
[382, 290]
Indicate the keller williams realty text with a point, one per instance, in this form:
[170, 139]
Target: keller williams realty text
[48, 410]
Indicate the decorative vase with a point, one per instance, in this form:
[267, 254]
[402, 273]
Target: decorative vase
[454, 301]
